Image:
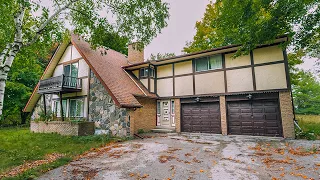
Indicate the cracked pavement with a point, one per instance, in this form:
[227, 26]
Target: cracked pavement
[197, 156]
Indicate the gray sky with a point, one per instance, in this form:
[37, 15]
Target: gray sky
[181, 28]
[183, 16]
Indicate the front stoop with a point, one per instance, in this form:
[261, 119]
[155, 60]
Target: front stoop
[162, 130]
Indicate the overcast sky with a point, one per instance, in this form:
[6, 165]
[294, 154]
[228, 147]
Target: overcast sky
[183, 16]
[181, 28]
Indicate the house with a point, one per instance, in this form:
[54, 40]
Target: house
[207, 91]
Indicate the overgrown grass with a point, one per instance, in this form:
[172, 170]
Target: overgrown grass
[309, 123]
[19, 144]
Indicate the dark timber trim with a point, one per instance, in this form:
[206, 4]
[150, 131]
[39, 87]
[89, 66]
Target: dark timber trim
[149, 74]
[71, 61]
[193, 76]
[88, 93]
[286, 66]
[224, 72]
[227, 94]
[44, 104]
[173, 81]
[224, 69]
[253, 72]
[61, 107]
[155, 80]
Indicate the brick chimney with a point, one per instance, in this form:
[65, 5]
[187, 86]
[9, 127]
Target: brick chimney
[135, 55]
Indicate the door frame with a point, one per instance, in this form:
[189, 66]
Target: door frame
[171, 114]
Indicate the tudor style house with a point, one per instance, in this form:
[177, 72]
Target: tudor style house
[206, 92]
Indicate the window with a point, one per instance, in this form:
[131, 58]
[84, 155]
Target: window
[158, 107]
[76, 107]
[209, 63]
[144, 72]
[71, 74]
[172, 107]
[71, 107]
[56, 109]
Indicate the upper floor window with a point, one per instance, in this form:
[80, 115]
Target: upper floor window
[71, 70]
[144, 72]
[209, 63]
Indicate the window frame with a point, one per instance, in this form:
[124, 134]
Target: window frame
[82, 110]
[70, 71]
[207, 58]
[144, 74]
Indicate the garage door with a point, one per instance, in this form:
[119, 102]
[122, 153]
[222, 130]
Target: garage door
[201, 117]
[254, 117]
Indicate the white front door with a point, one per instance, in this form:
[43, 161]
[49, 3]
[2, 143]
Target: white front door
[163, 113]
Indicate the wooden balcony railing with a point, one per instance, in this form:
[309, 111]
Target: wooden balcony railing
[60, 84]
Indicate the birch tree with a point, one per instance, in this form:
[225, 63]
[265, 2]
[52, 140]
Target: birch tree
[33, 24]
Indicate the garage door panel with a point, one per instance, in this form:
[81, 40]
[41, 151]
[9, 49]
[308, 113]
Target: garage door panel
[205, 118]
[254, 117]
[271, 117]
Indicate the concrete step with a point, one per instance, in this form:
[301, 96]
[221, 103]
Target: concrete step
[161, 130]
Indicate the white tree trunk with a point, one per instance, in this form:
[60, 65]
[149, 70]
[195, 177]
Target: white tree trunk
[11, 50]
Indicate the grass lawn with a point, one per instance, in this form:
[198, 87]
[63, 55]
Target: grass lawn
[309, 123]
[18, 145]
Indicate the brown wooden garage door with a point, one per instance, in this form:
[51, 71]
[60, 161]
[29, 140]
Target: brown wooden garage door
[201, 117]
[254, 117]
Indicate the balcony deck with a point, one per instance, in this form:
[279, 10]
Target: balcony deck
[60, 84]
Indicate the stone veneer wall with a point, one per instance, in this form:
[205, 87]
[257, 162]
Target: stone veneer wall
[286, 114]
[177, 115]
[39, 108]
[103, 111]
[145, 117]
[223, 114]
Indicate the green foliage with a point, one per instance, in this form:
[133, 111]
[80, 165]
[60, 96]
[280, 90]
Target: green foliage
[160, 56]
[309, 123]
[306, 94]
[19, 145]
[250, 23]
[140, 131]
[108, 23]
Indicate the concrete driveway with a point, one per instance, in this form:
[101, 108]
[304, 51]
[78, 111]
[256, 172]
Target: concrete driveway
[195, 156]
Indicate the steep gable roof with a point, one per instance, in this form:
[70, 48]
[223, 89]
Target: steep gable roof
[107, 66]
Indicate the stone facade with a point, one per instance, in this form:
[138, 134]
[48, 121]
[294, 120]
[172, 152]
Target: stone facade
[223, 114]
[177, 114]
[145, 117]
[102, 110]
[63, 128]
[286, 114]
[39, 108]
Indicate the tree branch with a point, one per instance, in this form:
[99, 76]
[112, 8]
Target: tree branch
[41, 28]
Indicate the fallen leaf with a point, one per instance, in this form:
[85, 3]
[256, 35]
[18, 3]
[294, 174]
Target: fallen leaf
[201, 170]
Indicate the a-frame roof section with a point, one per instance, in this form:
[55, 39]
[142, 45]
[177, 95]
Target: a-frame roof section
[46, 74]
[107, 66]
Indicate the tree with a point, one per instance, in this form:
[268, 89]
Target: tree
[306, 94]
[23, 27]
[159, 56]
[250, 23]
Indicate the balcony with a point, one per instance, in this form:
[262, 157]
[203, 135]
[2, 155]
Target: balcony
[60, 84]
